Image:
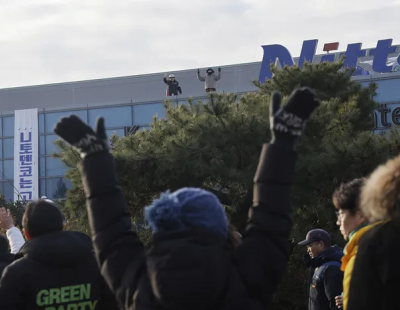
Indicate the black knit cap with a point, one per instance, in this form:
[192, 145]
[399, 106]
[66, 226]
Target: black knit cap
[42, 217]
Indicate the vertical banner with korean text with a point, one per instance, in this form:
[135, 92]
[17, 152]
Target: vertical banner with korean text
[26, 155]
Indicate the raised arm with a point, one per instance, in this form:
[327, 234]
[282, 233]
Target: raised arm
[118, 248]
[200, 77]
[14, 235]
[165, 79]
[262, 257]
[218, 75]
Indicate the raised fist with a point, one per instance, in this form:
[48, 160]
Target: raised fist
[81, 136]
[287, 121]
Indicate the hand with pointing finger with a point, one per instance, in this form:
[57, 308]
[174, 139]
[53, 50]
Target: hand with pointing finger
[287, 121]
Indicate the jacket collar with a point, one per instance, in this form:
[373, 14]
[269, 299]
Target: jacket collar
[357, 229]
[352, 246]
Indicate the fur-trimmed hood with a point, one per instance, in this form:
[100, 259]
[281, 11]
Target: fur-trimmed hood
[380, 195]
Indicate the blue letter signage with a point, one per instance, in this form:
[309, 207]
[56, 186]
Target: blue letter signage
[275, 53]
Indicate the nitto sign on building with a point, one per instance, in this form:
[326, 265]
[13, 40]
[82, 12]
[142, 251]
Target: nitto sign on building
[376, 59]
[387, 116]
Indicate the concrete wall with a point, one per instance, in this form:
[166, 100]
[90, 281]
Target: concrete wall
[143, 88]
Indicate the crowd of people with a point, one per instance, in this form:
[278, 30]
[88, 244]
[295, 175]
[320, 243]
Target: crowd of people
[196, 259]
[364, 275]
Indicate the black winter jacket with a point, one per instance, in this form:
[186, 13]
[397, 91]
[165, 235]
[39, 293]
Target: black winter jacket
[193, 269]
[5, 260]
[375, 281]
[327, 280]
[57, 271]
[173, 87]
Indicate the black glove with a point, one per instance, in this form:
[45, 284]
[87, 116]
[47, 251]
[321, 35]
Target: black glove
[219, 69]
[74, 131]
[287, 121]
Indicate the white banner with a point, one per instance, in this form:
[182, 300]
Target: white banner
[26, 155]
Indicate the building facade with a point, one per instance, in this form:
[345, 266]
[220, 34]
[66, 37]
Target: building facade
[125, 102]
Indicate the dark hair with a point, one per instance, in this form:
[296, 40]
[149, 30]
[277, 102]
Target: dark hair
[3, 245]
[42, 217]
[346, 197]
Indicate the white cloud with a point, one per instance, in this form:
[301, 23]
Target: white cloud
[54, 41]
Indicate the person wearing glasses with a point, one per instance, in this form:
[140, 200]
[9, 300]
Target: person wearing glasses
[324, 261]
[353, 225]
[375, 280]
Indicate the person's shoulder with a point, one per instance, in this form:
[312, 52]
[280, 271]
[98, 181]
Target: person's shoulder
[381, 235]
[332, 271]
[332, 265]
[18, 268]
[78, 235]
[376, 232]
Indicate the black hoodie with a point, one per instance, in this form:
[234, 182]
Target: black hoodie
[56, 270]
[193, 269]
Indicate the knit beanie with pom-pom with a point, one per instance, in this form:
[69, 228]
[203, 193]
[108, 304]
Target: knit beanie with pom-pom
[186, 208]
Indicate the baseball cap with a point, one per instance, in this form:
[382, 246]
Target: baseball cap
[316, 235]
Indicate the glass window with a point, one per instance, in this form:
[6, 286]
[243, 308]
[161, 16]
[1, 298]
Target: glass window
[50, 146]
[56, 188]
[53, 118]
[144, 128]
[42, 187]
[8, 148]
[8, 169]
[1, 127]
[42, 149]
[8, 126]
[42, 166]
[1, 149]
[55, 167]
[119, 132]
[365, 84]
[143, 114]
[114, 117]
[388, 90]
[41, 123]
[8, 190]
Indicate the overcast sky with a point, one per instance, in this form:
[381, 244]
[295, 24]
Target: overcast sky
[50, 41]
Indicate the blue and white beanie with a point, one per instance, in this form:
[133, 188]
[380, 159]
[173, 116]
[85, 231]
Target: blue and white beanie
[185, 208]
